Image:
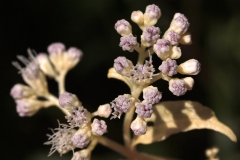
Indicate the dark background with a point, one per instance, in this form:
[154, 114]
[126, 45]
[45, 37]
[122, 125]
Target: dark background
[89, 25]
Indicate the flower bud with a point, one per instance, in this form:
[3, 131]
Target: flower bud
[150, 36]
[68, 100]
[179, 23]
[82, 137]
[190, 67]
[162, 48]
[137, 17]
[123, 27]
[168, 67]
[177, 87]
[152, 95]
[172, 36]
[139, 126]
[84, 154]
[186, 39]
[99, 127]
[175, 52]
[104, 110]
[28, 106]
[128, 43]
[189, 81]
[71, 57]
[45, 65]
[144, 109]
[123, 66]
[19, 91]
[151, 15]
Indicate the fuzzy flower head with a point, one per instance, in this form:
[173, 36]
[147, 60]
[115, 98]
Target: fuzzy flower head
[177, 87]
[173, 37]
[121, 104]
[179, 23]
[142, 74]
[123, 66]
[144, 109]
[82, 137]
[151, 95]
[123, 27]
[78, 118]
[128, 43]
[61, 139]
[68, 100]
[99, 127]
[162, 48]
[168, 67]
[151, 15]
[150, 35]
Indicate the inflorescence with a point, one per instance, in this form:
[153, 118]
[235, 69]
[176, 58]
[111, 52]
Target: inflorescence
[82, 127]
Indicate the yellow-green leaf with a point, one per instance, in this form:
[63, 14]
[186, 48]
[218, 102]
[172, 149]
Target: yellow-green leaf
[180, 116]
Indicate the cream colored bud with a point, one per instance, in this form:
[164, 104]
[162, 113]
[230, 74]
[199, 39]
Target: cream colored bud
[84, 154]
[137, 17]
[189, 82]
[45, 65]
[104, 110]
[175, 52]
[139, 126]
[186, 39]
[190, 67]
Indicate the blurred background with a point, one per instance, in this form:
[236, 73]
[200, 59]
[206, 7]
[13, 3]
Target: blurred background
[89, 25]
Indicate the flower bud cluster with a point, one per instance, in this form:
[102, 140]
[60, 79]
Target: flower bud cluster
[34, 74]
[80, 129]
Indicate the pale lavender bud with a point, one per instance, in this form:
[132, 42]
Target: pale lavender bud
[162, 48]
[74, 53]
[144, 109]
[121, 104]
[190, 67]
[153, 11]
[139, 126]
[28, 107]
[128, 42]
[150, 35]
[82, 137]
[177, 87]
[151, 95]
[61, 139]
[151, 15]
[78, 118]
[179, 23]
[123, 27]
[56, 48]
[19, 91]
[168, 67]
[68, 100]
[104, 110]
[173, 37]
[99, 127]
[123, 66]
